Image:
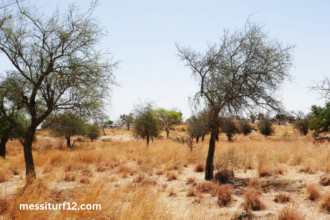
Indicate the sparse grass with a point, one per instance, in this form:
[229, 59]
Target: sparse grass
[93, 172]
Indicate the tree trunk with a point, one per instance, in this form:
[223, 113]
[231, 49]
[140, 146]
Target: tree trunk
[168, 132]
[29, 164]
[103, 131]
[197, 139]
[203, 137]
[210, 154]
[3, 143]
[148, 139]
[68, 141]
[127, 126]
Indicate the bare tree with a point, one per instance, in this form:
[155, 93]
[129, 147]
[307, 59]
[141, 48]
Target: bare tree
[323, 88]
[241, 73]
[57, 64]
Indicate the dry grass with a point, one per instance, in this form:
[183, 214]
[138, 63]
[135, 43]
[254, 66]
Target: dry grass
[313, 192]
[224, 194]
[290, 213]
[252, 201]
[135, 182]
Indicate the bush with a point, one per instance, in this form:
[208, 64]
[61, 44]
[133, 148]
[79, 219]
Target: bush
[252, 201]
[266, 127]
[245, 127]
[93, 131]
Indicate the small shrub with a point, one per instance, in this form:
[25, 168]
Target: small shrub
[265, 127]
[313, 192]
[200, 168]
[224, 194]
[171, 176]
[15, 171]
[290, 213]
[224, 176]
[282, 198]
[208, 187]
[252, 201]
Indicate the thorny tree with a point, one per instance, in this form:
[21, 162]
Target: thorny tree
[241, 73]
[323, 88]
[57, 64]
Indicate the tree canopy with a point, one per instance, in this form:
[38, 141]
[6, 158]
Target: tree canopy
[320, 122]
[57, 64]
[146, 124]
[241, 73]
[168, 118]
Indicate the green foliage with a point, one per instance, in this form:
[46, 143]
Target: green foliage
[146, 124]
[127, 119]
[253, 118]
[66, 124]
[266, 127]
[228, 126]
[245, 127]
[93, 131]
[302, 124]
[168, 118]
[199, 124]
[320, 119]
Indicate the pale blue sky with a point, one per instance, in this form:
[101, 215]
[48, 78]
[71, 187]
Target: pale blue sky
[142, 34]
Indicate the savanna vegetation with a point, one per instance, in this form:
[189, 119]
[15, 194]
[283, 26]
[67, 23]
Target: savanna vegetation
[239, 155]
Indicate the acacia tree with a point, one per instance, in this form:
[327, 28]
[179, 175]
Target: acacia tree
[302, 122]
[67, 124]
[199, 125]
[323, 88]
[242, 72]
[146, 124]
[245, 127]
[320, 122]
[57, 64]
[168, 118]
[228, 126]
[127, 119]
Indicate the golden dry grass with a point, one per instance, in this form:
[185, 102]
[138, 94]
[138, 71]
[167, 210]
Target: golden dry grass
[132, 181]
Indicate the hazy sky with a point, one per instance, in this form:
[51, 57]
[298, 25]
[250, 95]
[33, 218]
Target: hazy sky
[142, 35]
